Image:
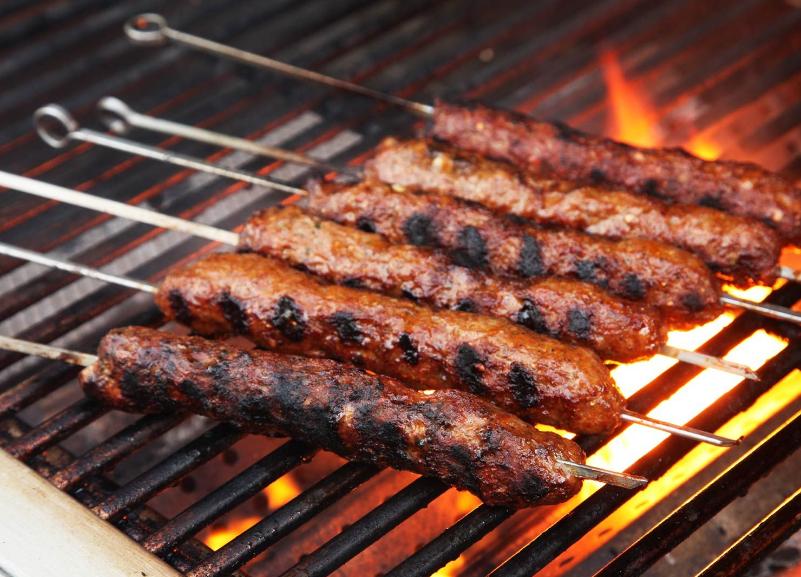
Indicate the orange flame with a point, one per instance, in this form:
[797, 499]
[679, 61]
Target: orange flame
[278, 493]
[281, 491]
[634, 120]
[220, 537]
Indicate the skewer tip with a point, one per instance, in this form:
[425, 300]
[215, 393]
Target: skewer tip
[616, 478]
[679, 430]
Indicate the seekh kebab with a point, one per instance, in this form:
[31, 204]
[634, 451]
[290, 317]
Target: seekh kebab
[743, 251]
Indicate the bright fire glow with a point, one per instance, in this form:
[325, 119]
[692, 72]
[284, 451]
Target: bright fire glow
[281, 491]
[452, 568]
[278, 493]
[220, 537]
[633, 120]
[687, 402]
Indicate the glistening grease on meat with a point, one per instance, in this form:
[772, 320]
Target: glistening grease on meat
[568, 310]
[670, 173]
[281, 308]
[671, 280]
[449, 435]
[741, 250]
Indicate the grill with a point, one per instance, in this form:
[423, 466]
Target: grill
[170, 482]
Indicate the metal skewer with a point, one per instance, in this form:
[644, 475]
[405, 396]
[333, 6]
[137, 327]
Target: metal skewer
[580, 470]
[120, 209]
[120, 118]
[152, 30]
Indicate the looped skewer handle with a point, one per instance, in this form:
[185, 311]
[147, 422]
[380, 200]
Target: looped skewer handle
[57, 127]
[119, 118]
[580, 470]
[152, 30]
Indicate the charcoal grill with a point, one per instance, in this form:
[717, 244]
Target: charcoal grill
[537, 57]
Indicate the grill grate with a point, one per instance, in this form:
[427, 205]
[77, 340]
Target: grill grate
[537, 57]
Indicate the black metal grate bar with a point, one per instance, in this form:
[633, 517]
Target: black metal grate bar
[285, 520]
[186, 459]
[57, 428]
[368, 529]
[589, 513]
[702, 506]
[759, 541]
[227, 496]
[118, 446]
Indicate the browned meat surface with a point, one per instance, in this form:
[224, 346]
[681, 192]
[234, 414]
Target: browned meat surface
[451, 435]
[675, 282]
[277, 307]
[566, 309]
[741, 250]
[668, 173]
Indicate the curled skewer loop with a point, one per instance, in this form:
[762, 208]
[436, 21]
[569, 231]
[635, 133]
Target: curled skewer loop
[55, 125]
[115, 114]
[147, 29]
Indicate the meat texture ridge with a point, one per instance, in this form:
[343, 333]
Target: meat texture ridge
[742, 250]
[450, 435]
[565, 309]
[553, 148]
[671, 280]
[280, 308]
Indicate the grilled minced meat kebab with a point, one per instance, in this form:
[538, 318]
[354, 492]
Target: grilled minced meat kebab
[743, 251]
[671, 174]
[450, 435]
[566, 309]
[674, 281]
[277, 307]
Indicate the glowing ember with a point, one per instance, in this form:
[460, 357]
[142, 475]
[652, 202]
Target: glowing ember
[687, 402]
[632, 120]
[220, 537]
[451, 569]
[281, 491]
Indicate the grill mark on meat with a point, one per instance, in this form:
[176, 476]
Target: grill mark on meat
[633, 287]
[712, 202]
[587, 270]
[410, 352]
[289, 319]
[524, 386]
[466, 305]
[365, 224]
[180, 308]
[420, 230]
[532, 318]
[347, 328]
[597, 176]
[471, 251]
[533, 486]
[233, 312]
[470, 367]
[579, 323]
[692, 302]
[353, 282]
[531, 263]
[650, 187]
